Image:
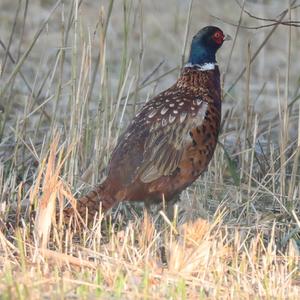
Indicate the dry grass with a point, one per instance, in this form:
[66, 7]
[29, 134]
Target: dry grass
[71, 77]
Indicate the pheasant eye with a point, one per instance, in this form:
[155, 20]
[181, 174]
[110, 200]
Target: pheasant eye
[218, 37]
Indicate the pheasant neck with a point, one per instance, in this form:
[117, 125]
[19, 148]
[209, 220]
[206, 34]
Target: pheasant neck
[200, 55]
[201, 67]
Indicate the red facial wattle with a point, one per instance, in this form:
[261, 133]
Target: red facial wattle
[218, 37]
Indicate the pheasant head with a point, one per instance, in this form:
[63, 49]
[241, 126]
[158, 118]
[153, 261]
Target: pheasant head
[205, 45]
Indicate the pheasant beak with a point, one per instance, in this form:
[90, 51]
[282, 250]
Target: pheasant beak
[227, 37]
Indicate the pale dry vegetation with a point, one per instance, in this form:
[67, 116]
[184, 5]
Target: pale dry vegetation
[73, 73]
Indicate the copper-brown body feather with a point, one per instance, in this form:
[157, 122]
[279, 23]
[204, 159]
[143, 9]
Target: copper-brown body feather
[165, 148]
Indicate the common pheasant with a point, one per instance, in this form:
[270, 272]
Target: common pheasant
[171, 140]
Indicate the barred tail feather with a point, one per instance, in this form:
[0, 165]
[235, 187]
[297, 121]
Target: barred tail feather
[90, 204]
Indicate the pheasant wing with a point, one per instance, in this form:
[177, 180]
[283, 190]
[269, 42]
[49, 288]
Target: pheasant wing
[169, 135]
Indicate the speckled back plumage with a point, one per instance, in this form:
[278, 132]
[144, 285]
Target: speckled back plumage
[167, 146]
